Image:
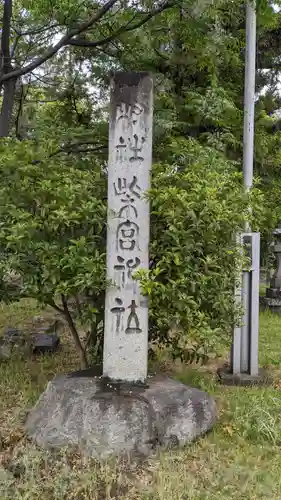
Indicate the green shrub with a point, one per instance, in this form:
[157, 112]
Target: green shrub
[52, 243]
[197, 206]
[52, 234]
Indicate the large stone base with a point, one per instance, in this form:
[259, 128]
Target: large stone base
[104, 418]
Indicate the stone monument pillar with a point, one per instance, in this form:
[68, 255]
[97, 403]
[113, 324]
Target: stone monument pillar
[129, 165]
[115, 416]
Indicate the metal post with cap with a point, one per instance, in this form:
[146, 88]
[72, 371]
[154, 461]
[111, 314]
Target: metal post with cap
[244, 353]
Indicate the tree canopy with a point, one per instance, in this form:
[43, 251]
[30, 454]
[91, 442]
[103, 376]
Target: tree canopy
[55, 64]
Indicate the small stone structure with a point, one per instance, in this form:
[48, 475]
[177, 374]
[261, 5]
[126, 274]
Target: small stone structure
[122, 410]
[43, 343]
[272, 300]
[44, 340]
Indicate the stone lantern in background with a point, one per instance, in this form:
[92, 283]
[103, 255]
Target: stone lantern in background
[272, 299]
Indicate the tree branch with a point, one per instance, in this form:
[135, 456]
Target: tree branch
[36, 31]
[19, 112]
[124, 29]
[15, 44]
[76, 148]
[67, 39]
[51, 51]
[45, 82]
[76, 338]
[57, 308]
[86, 150]
[21, 34]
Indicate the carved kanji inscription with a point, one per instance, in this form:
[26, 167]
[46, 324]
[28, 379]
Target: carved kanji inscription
[133, 323]
[129, 165]
[127, 236]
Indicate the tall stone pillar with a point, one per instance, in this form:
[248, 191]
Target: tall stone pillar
[123, 419]
[129, 165]
[272, 300]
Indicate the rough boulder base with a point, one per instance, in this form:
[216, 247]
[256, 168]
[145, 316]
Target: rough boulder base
[107, 419]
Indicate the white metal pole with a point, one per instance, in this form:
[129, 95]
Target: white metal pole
[245, 338]
[248, 161]
[249, 95]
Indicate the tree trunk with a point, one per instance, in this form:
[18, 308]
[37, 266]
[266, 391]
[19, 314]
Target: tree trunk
[78, 343]
[9, 88]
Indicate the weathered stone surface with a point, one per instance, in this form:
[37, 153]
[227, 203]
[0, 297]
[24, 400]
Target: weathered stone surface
[129, 165]
[272, 301]
[273, 293]
[105, 418]
[274, 304]
[5, 351]
[14, 336]
[44, 341]
[13, 341]
[275, 281]
[49, 325]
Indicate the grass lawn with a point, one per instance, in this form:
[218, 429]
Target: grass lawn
[239, 459]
